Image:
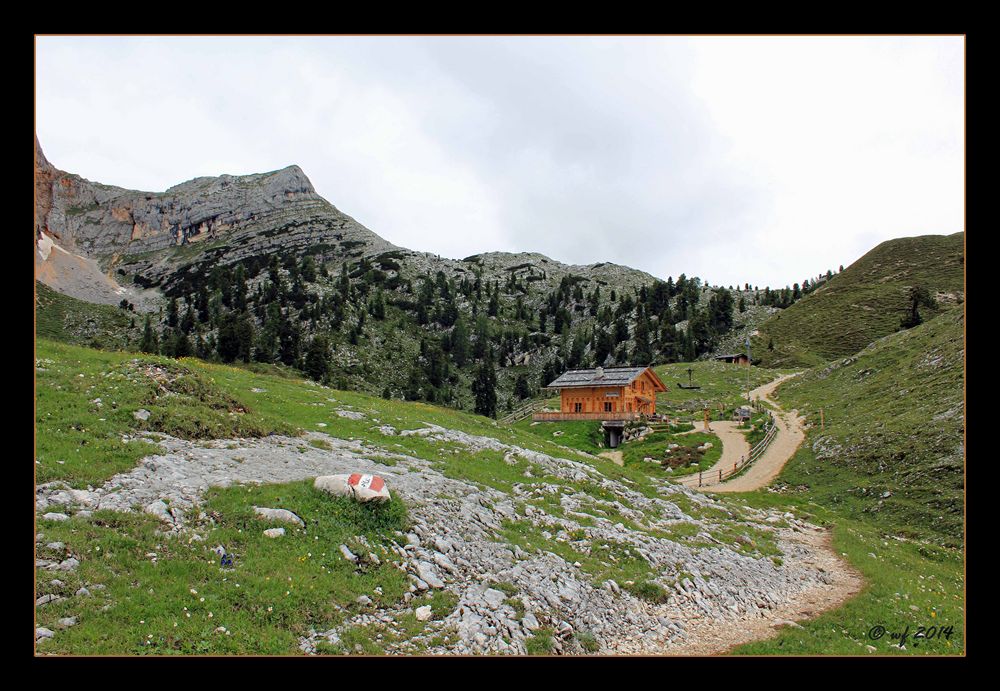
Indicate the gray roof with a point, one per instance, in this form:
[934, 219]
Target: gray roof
[613, 376]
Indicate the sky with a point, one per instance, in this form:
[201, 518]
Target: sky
[760, 160]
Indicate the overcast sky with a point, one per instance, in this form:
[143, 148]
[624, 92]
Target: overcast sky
[760, 160]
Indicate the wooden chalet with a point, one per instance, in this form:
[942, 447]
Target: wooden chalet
[615, 393]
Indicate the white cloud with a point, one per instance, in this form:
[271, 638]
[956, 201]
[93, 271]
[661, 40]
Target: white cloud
[761, 160]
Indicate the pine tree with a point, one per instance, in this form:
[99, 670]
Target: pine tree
[150, 344]
[172, 313]
[484, 388]
[317, 360]
[522, 389]
[181, 345]
[642, 353]
[460, 343]
[918, 296]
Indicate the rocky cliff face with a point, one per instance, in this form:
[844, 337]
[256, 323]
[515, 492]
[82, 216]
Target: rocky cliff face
[153, 235]
[154, 239]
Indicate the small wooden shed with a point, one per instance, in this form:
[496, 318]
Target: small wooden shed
[735, 358]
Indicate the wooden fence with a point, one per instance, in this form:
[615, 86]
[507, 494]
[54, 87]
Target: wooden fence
[755, 453]
[522, 412]
[556, 417]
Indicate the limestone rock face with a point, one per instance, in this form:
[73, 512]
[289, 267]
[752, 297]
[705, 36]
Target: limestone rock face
[156, 238]
[101, 243]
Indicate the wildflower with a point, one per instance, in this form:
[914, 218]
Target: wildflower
[209, 615]
[193, 591]
[270, 609]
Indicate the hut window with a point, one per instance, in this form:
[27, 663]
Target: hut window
[607, 406]
[577, 407]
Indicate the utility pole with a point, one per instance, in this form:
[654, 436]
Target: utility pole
[748, 368]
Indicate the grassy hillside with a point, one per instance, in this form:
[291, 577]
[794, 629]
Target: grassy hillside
[864, 302]
[886, 472]
[892, 448]
[160, 593]
[720, 382]
[63, 318]
[908, 585]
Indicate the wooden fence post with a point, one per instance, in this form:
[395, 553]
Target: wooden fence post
[699, 478]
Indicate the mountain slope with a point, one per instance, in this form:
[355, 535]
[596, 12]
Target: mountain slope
[515, 543]
[267, 256]
[864, 302]
[159, 237]
[891, 444]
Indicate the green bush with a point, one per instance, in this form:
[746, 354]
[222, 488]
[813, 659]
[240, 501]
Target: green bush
[540, 643]
[649, 591]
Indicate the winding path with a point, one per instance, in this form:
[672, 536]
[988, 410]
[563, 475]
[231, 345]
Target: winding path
[711, 638]
[734, 445]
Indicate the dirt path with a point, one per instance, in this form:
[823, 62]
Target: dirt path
[614, 456]
[734, 447]
[784, 445]
[813, 546]
[710, 637]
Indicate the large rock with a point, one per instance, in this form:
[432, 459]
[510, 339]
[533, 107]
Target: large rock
[360, 486]
[494, 598]
[160, 510]
[278, 515]
[428, 576]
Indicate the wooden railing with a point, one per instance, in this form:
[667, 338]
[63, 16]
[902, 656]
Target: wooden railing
[755, 453]
[522, 412]
[558, 417]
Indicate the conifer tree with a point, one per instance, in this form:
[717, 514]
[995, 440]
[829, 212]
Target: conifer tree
[460, 343]
[172, 317]
[150, 344]
[317, 360]
[484, 388]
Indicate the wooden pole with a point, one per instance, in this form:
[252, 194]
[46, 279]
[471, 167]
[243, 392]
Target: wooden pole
[821, 422]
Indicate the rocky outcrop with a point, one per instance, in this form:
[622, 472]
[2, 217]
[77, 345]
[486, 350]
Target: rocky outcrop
[503, 592]
[160, 239]
[154, 238]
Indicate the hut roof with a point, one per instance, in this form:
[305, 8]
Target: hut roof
[608, 376]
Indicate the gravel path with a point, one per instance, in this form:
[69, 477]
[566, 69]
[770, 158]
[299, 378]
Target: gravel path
[734, 448]
[784, 445]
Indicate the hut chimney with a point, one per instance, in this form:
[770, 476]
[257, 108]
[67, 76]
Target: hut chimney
[600, 372]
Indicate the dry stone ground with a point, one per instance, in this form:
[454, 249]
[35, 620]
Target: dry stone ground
[717, 596]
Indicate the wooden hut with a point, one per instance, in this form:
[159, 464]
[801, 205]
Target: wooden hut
[615, 393]
[735, 358]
